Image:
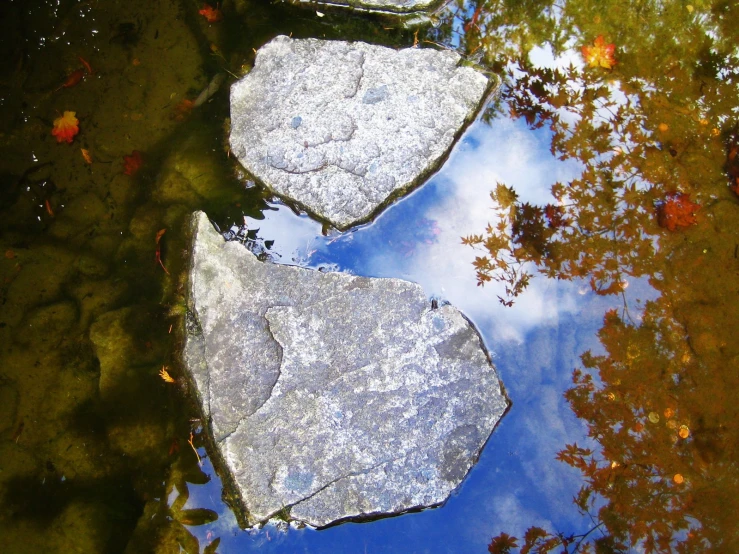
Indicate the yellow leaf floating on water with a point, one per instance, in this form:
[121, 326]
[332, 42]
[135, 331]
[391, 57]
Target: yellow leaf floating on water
[166, 377]
[653, 417]
[66, 127]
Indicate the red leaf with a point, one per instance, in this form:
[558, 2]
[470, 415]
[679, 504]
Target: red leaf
[132, 163]
[72, 79]
[87, 65]
[210, 13]
[600, 54]
[66, 127]
[158, 254]
[677, 211]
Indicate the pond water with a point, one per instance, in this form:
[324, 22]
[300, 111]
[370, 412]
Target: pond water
[608, 256]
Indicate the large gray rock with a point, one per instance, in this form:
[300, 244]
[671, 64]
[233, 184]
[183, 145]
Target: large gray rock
[341, 128]
[333, 395]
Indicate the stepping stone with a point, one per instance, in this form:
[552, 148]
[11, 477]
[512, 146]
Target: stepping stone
[332, 396]
[342, 128]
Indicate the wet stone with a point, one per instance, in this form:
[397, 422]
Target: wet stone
[332, 395]
[340, 128]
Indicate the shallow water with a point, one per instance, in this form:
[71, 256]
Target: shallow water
[630, 282]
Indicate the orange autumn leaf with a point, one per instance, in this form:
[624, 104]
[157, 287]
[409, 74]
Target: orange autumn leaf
[86, 155]
[132, 163]
[66, 127]
[210, 13]
[677, 211]
[164, 374]
[87, 65]
[600, 54]
[72, 79]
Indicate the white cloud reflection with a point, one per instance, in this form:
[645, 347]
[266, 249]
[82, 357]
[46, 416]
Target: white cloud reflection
[535, 344]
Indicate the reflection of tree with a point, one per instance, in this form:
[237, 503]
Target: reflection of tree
[655, 137]
[663, 410]
[642, 131]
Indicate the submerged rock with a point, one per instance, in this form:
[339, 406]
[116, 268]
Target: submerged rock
[393, 6]
[341, 128]
[332, 395]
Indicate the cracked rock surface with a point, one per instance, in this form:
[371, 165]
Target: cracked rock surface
[341, 127]
[333, 395]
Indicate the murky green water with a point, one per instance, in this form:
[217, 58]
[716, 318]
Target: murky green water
[615, 187]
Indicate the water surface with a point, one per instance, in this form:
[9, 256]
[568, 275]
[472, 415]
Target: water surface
[609, 271]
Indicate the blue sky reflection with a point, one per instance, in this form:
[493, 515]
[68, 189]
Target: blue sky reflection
[535, 344]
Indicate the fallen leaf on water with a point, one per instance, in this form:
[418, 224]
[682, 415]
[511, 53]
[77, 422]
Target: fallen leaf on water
[679, 479]
[132, 163]
[48, 208]
[684, 432]
[86, 155]
[158, 254]
[210, 13]
[164, 374]
[676, 211]
[88, 68]
[9, 254]
[72, 79]
[600, 54]
[66, 127]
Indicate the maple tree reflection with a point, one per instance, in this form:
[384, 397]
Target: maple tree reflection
[647, 105]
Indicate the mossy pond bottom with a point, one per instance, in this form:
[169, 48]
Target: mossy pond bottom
[607, 259]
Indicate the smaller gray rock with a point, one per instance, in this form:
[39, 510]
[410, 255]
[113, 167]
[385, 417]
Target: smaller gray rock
[340, 128]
